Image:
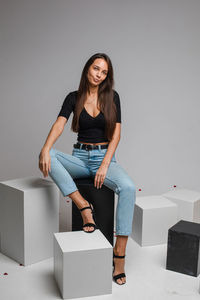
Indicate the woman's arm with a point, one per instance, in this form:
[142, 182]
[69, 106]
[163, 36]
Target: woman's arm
[112, 145]
[101, 172]
[55, 132]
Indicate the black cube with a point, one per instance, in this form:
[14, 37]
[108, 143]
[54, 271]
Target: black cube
[102, 200]
[183, 248]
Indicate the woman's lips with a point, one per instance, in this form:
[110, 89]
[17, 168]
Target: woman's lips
[96, 80]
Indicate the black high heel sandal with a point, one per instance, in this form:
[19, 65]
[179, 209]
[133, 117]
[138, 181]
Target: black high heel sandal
[93, 215]
[118, 276]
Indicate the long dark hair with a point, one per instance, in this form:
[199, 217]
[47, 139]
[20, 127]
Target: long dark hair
[105, 97]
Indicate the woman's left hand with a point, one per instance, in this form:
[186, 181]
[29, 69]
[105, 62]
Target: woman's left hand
[100, 175]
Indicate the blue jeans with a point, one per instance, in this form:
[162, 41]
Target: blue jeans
[83, 163]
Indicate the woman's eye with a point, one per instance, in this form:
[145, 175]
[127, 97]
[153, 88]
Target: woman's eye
[95, 68]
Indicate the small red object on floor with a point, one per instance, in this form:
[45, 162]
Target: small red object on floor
[5, 274]
[20, 264]
[174, 185]
[140, 190]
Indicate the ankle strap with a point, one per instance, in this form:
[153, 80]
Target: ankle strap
[85, 208]
[118, 256]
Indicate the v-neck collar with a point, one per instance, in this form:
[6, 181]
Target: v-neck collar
[90, 115]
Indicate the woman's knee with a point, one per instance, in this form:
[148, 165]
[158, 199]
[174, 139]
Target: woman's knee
[128, 186]
[52, 152]
[53, 155]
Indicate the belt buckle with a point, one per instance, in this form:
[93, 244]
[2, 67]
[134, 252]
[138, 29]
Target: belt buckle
[88, 147]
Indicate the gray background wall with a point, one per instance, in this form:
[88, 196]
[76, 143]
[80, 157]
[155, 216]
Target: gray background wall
[154, 47]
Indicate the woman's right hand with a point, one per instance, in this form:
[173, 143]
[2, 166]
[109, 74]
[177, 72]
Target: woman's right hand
[45, 162]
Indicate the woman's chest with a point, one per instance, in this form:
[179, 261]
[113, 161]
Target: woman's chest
[87, 121]
[92, 109]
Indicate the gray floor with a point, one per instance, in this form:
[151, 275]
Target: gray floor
[147, 279]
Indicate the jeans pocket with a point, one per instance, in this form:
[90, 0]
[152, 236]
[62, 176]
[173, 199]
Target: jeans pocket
[103, 152]
[76, 151]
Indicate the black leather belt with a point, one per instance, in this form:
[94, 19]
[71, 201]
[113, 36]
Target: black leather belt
[89, 146]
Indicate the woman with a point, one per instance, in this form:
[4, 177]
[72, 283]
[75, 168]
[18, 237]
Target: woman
[97, 119]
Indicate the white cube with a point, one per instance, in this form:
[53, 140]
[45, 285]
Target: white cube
[29, 215]
[153, 216]
[82, 264]
[188, 203]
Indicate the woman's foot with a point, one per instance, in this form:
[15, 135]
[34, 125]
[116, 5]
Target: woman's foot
[87, 218]
[119, 266]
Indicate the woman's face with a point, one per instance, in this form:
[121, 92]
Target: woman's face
[97, 71]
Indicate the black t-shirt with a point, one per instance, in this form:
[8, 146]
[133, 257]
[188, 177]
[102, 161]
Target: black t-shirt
[91, 129]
